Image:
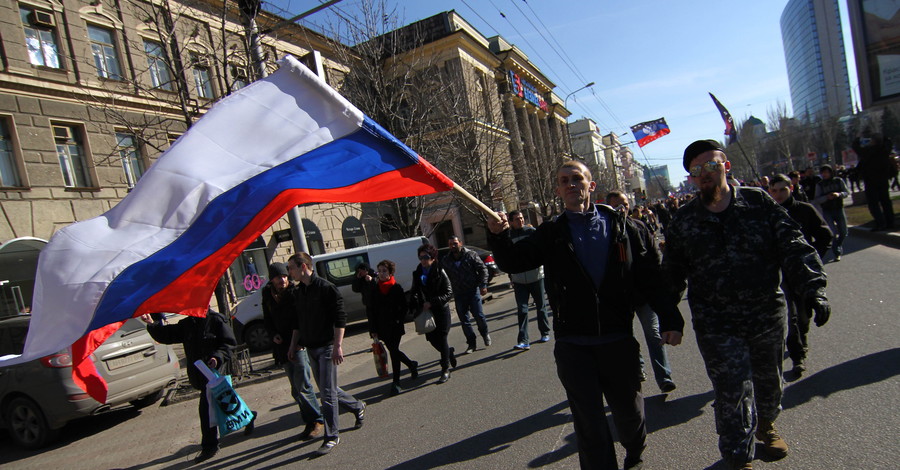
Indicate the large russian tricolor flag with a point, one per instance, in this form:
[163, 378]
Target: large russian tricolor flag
[286, 140]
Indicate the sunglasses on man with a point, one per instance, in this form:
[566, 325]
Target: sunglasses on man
[424, 257]
[710, 167]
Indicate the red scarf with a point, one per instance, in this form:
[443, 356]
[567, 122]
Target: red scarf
[385, 286]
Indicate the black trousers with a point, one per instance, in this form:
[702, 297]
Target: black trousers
[590, 373]
[210, 435]
[397, 356]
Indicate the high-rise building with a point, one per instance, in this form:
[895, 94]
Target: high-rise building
[815, 58]
[876, 45]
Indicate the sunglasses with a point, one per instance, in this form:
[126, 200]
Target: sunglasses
[424, 257]
[710, 167]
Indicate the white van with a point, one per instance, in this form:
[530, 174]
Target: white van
[338, 268]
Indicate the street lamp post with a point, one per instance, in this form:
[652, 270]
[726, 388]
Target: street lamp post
[566, 105]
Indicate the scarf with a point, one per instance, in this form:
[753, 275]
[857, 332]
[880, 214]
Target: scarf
[385, 286]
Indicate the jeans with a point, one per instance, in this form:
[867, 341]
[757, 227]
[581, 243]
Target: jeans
[325, 372]
[465, 306]
[298, 374]
[536, 291]
[658, 356]
[589, 375]
[837, 222]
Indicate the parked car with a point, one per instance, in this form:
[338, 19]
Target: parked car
[339, 268]
[37, 398]
[486, 256]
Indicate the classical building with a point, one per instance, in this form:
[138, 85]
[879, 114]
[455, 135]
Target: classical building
[815, 58]
[587, 144]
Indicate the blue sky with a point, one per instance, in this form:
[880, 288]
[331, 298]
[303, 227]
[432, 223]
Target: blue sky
[649, 59]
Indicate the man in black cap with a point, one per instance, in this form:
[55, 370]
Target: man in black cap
[731, 245]
[279, 313]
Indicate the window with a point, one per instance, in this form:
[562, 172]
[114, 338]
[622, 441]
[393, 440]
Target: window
[106, 59]
[132, 163]
[201, 76]
[9, 173]
[160, 76]
[40, 37]
[341, 271]
[71, 157]
[238, 77]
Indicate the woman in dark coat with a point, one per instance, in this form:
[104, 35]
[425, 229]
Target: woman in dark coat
[432, 291]
[386, 315]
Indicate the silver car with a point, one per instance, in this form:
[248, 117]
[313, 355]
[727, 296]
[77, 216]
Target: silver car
[38, 397]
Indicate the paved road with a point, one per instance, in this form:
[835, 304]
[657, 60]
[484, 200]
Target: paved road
[505, 410]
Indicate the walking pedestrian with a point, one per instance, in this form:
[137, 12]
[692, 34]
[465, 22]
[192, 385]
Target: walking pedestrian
[819, 236]
[279, 316]
[730, 245]
[876, 169]
[432, 292]
[595, 265]
[469, 277]
[319, 328]
[830, 194]
[659, 359]
[528, 284]
[386, 317]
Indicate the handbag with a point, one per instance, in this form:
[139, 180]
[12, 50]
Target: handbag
[425, 322]
[228, 410]
[380, 358]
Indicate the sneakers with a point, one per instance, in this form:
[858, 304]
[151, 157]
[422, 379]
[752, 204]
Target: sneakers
[522, 347]
[414, 370]
[837, 258]
[312, 431]
[206, 454]
[248, 429]
[445, 376]
[395, 389]
[544, 339]
[775, 446]
[667, 386]
[633, 462]
[799, 367]
[487, 341]
[360, 415]
[453, 357]
[469, 350]
[328, 445]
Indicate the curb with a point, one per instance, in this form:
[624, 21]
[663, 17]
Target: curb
[885, 238]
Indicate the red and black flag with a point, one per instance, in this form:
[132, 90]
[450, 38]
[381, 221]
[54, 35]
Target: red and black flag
[730, 130]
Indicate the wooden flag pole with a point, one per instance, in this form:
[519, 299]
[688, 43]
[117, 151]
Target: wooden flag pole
[469, 197]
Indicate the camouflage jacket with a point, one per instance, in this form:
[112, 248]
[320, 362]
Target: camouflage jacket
[732, 262]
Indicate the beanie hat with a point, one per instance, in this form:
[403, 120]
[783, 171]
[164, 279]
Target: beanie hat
[277, 269]
[698, 147]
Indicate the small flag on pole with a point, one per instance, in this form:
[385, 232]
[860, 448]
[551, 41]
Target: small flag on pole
[730, 130]
[647, 132]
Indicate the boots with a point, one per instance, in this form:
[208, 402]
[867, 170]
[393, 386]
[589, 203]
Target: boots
[775, 446]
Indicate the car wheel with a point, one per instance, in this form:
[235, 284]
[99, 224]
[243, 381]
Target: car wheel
[27, 425]
[148, 400]
[257, 337]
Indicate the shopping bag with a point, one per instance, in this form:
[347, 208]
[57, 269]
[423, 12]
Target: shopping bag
[425, 322]
[381, 360]
[227, 410]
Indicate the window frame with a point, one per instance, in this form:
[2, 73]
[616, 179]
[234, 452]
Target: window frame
[15, 160]
[51, 32]
[156, 64]
[136, 157]
[113, 45]
[70, 162]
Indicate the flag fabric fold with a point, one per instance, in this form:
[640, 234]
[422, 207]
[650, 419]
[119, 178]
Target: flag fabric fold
[647, 132]
[730, 130]
[285, 140]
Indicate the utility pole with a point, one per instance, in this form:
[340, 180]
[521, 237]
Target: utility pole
[250, 8]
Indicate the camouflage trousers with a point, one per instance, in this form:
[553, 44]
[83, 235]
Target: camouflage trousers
[745, 371]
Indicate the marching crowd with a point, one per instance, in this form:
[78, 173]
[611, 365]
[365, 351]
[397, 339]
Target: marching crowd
[749, 257]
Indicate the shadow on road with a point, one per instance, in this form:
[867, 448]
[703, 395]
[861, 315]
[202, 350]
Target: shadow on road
[852, 374]
[663, 414]
[498, 439]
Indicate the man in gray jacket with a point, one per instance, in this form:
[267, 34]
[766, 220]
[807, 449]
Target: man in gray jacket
[525, 284]
[468, 276]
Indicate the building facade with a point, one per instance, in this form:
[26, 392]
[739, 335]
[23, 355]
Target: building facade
[815, 58]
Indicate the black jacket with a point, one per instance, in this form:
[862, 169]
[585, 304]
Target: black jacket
[579, 308]
[387, 312]
[279, 317]
[811, 223]
[435, 290]
[202, 338]
[320, 309]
